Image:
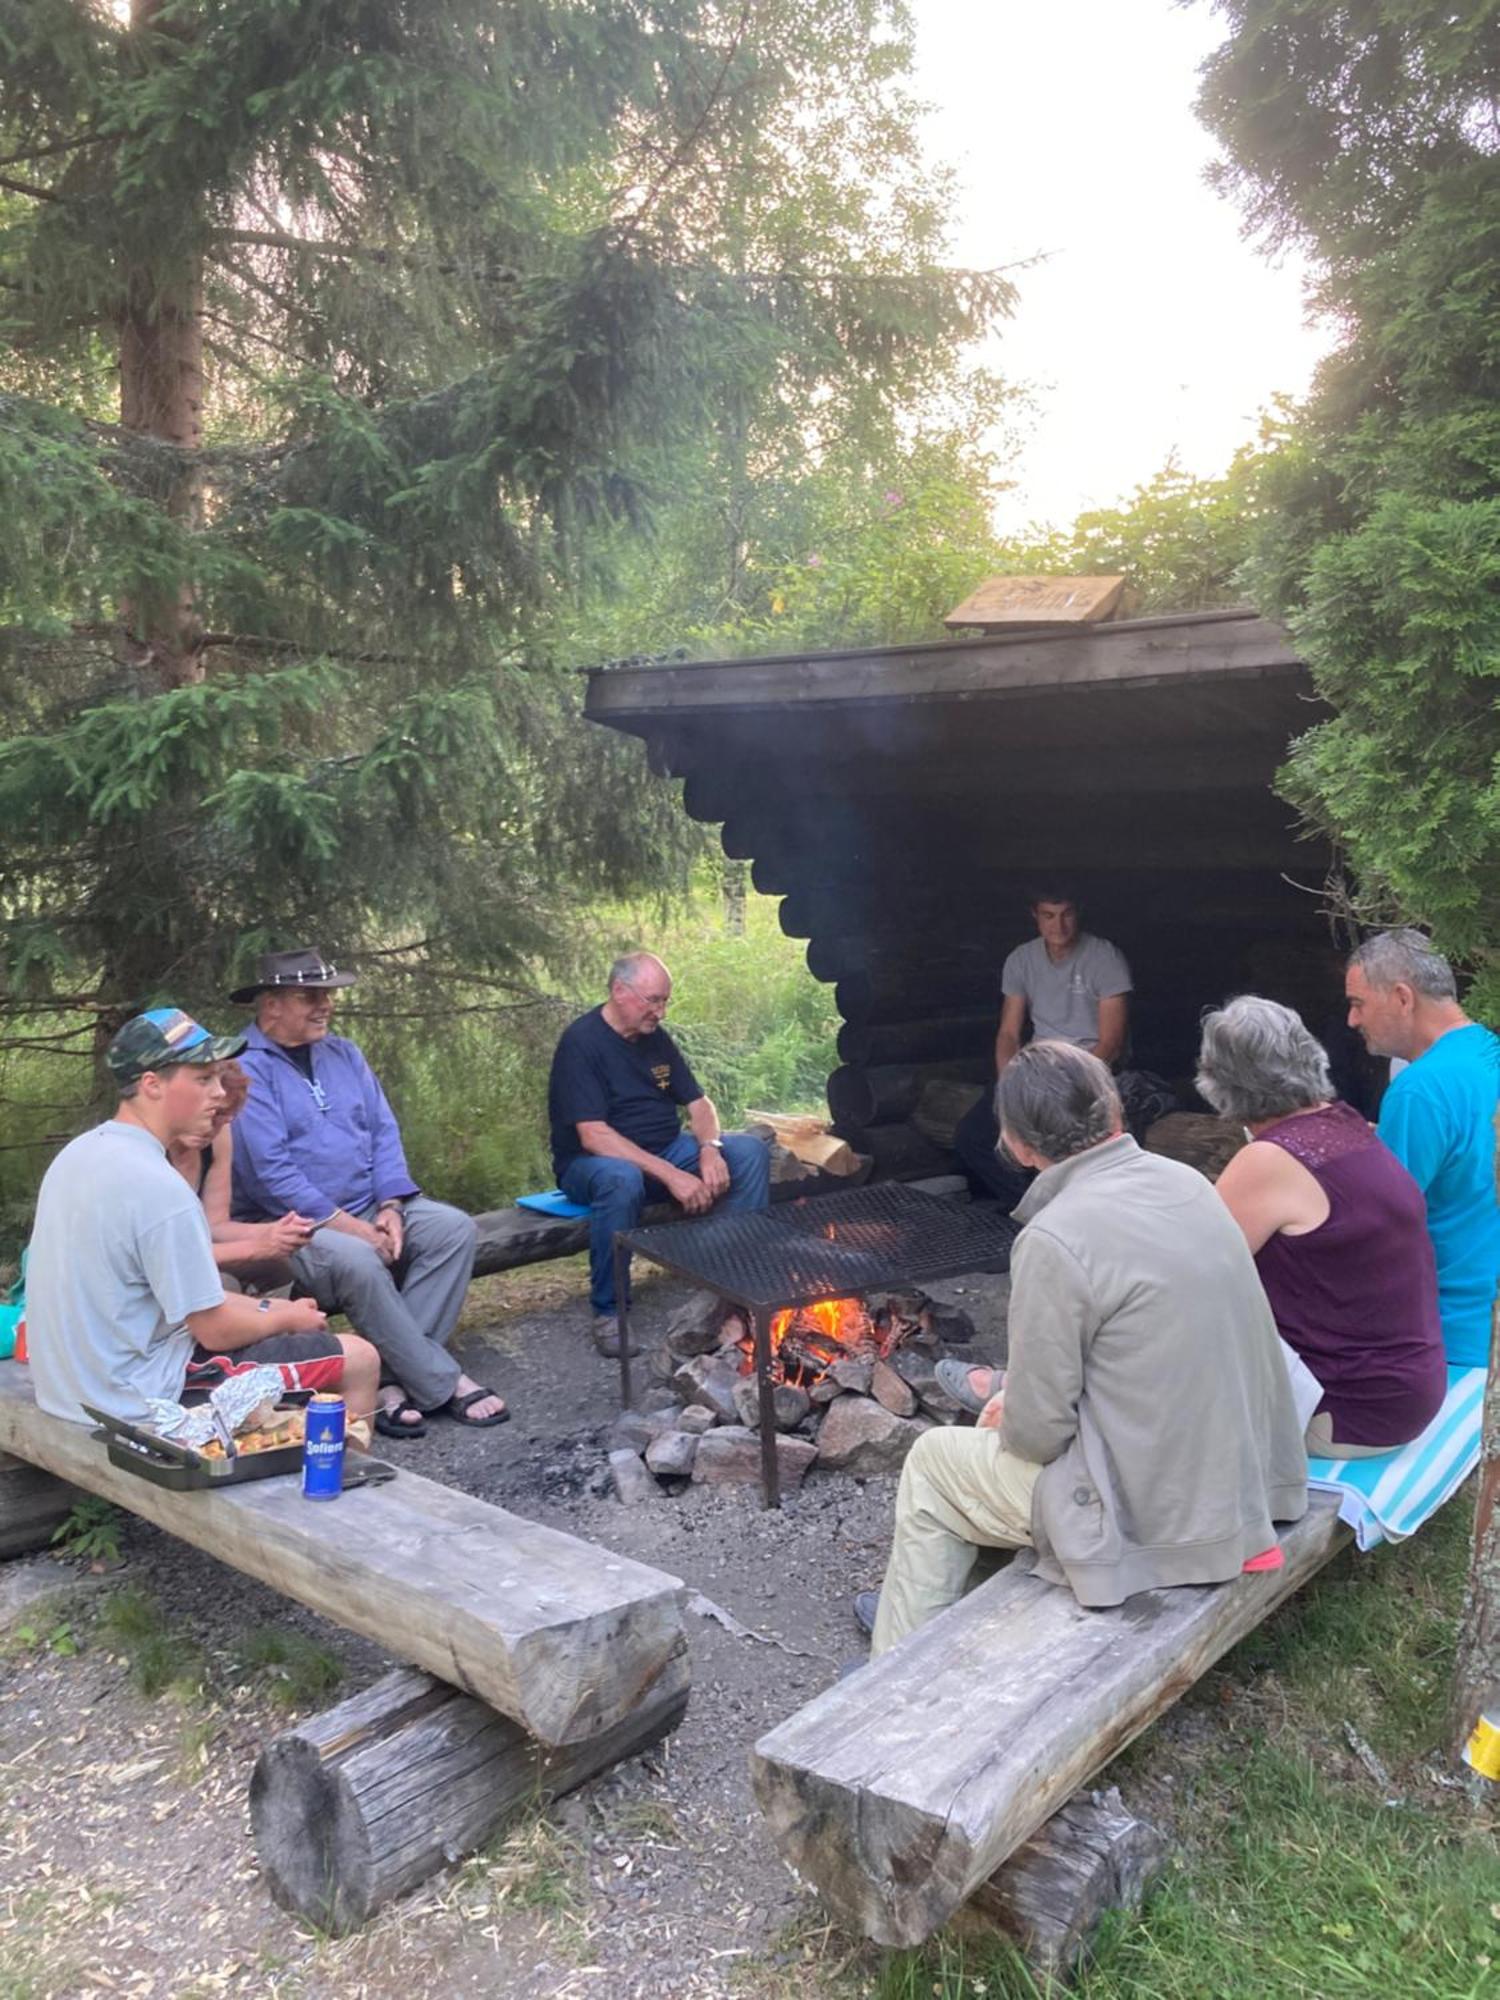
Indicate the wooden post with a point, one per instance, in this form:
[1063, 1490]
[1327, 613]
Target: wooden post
[33, 1506]
[1092, 1857]
[1476, 1672]
[354, 1807]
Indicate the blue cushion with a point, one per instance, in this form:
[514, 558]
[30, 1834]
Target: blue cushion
[553, 1202]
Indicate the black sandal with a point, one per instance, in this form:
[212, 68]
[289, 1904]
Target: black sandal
[458, 1408]
[388, 1421]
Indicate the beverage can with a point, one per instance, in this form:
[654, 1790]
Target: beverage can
[323, 1449]
[1482, 1751]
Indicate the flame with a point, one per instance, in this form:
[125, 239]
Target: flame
[833, 1330]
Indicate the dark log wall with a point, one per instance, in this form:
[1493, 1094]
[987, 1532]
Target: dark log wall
[905, 834]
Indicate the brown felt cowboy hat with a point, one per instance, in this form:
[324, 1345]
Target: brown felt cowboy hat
[278, 970]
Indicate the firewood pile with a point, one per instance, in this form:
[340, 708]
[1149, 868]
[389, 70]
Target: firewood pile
[854, 1386]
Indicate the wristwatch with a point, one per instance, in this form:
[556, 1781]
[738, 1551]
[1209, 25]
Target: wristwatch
[262, 1305]
[712, 1142]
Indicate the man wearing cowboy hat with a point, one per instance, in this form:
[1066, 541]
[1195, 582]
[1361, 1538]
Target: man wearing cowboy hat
[317, 1137]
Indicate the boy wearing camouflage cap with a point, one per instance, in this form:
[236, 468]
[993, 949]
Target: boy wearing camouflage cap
[123, 1296]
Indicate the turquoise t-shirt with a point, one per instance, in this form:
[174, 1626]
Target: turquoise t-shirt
[1438, 1118]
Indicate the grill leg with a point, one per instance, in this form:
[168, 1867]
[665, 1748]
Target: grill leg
[770, 1469]
[622, 1317]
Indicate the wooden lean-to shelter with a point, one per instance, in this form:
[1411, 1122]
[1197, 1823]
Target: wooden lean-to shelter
[907, 802]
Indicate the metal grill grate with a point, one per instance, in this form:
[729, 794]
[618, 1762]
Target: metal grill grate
[829, 1246]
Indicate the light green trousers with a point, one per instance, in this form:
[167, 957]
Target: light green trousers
[959, 1493]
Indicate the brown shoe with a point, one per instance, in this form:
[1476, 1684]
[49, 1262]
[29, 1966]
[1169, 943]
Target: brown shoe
[607, 1337]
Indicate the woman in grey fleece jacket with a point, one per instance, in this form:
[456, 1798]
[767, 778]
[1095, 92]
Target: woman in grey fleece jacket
[1146, 1432]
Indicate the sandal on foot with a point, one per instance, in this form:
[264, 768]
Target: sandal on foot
[458, 1407]
[954, 1377]
[388, 1421]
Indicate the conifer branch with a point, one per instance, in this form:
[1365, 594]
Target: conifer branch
[29, 188]
[56, 146]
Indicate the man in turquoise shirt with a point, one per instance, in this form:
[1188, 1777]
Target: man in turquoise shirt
[1439, 1119]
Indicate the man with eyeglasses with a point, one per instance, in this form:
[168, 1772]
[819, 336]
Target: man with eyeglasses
[619, 1085]
[317, 1137]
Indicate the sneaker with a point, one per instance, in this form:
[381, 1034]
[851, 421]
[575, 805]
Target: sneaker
[607, 1337]
[866, 1604]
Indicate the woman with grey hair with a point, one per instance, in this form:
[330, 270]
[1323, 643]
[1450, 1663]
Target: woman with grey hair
[1337, 1226]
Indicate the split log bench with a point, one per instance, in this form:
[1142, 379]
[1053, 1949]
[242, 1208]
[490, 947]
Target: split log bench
[566, 1639]
[896, 1794]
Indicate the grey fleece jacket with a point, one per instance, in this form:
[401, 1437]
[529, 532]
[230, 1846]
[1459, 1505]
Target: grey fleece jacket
[1146, 1379]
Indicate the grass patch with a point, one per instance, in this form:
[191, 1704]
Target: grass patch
[161, 1659]
[1298, 1888]
[533, 1865]
[296, 1672]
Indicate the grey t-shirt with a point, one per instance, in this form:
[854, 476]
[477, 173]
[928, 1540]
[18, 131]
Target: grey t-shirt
[1063, 999]
[120, 1256]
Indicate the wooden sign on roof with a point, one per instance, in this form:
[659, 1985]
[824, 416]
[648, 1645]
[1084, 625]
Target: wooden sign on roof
[1003, 603]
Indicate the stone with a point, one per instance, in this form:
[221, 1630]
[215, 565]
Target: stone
[671, 1455]
[662, 1397]
[825, 1389]
[710, 1379]
[632, 1482]
[892, 1394]
[730, 1456]
[918, 1370]
[661, 1367]
[853, 1376]
[694, 1327]
[790, 1404]
[633, 1430]
[35, 1594]
[696, 1419]
[949, 1324]
[859, 1436]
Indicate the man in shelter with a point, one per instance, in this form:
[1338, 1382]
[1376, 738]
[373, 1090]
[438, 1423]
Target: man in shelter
[1138, 1439]
[124, 1303]
[1064, 985]
[1438, 1117]
[318, 1140]
[618, 1089]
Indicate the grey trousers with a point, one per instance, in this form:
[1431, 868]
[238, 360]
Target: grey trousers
[406, 1311]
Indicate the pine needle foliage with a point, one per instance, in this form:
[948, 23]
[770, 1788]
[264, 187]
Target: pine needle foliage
[349, 344]
[1368, 133]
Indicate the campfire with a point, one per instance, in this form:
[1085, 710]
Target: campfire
[807, 1342]
[854, 1384]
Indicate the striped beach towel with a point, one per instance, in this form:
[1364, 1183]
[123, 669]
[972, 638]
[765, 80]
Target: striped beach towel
[1385, 1499]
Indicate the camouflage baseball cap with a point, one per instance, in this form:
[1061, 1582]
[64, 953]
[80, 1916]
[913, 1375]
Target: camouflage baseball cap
[160, 1039]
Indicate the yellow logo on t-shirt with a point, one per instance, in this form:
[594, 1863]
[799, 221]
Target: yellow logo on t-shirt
[663, 1074]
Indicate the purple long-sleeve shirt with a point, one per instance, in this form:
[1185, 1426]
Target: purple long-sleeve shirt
[314, 1146]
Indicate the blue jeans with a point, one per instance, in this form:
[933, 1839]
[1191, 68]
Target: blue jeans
[616, 1192]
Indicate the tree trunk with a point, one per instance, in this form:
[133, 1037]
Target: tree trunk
[1476, 1674]
[161, 397]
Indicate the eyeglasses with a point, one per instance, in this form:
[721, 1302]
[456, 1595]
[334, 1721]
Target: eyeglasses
[319, 1095]
[660, 1001]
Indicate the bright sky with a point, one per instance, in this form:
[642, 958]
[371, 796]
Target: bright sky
[1154, 326]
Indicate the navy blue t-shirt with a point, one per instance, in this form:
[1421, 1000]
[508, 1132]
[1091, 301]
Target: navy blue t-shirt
[634, 1086]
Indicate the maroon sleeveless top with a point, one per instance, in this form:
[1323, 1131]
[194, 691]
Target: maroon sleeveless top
[1357, 1296]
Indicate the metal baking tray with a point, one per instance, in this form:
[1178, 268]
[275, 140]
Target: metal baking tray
[178, 1466]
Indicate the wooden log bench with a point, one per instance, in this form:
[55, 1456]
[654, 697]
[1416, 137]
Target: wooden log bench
[896, 1794]
[354, 1807]
[566, 1639]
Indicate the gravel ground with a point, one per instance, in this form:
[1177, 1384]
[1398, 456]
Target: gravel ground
[125, 1855]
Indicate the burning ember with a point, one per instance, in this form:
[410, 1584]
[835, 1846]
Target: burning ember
[807, 1341]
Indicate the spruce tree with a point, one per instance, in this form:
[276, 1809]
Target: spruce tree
[344, 337]
[1367, 132]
